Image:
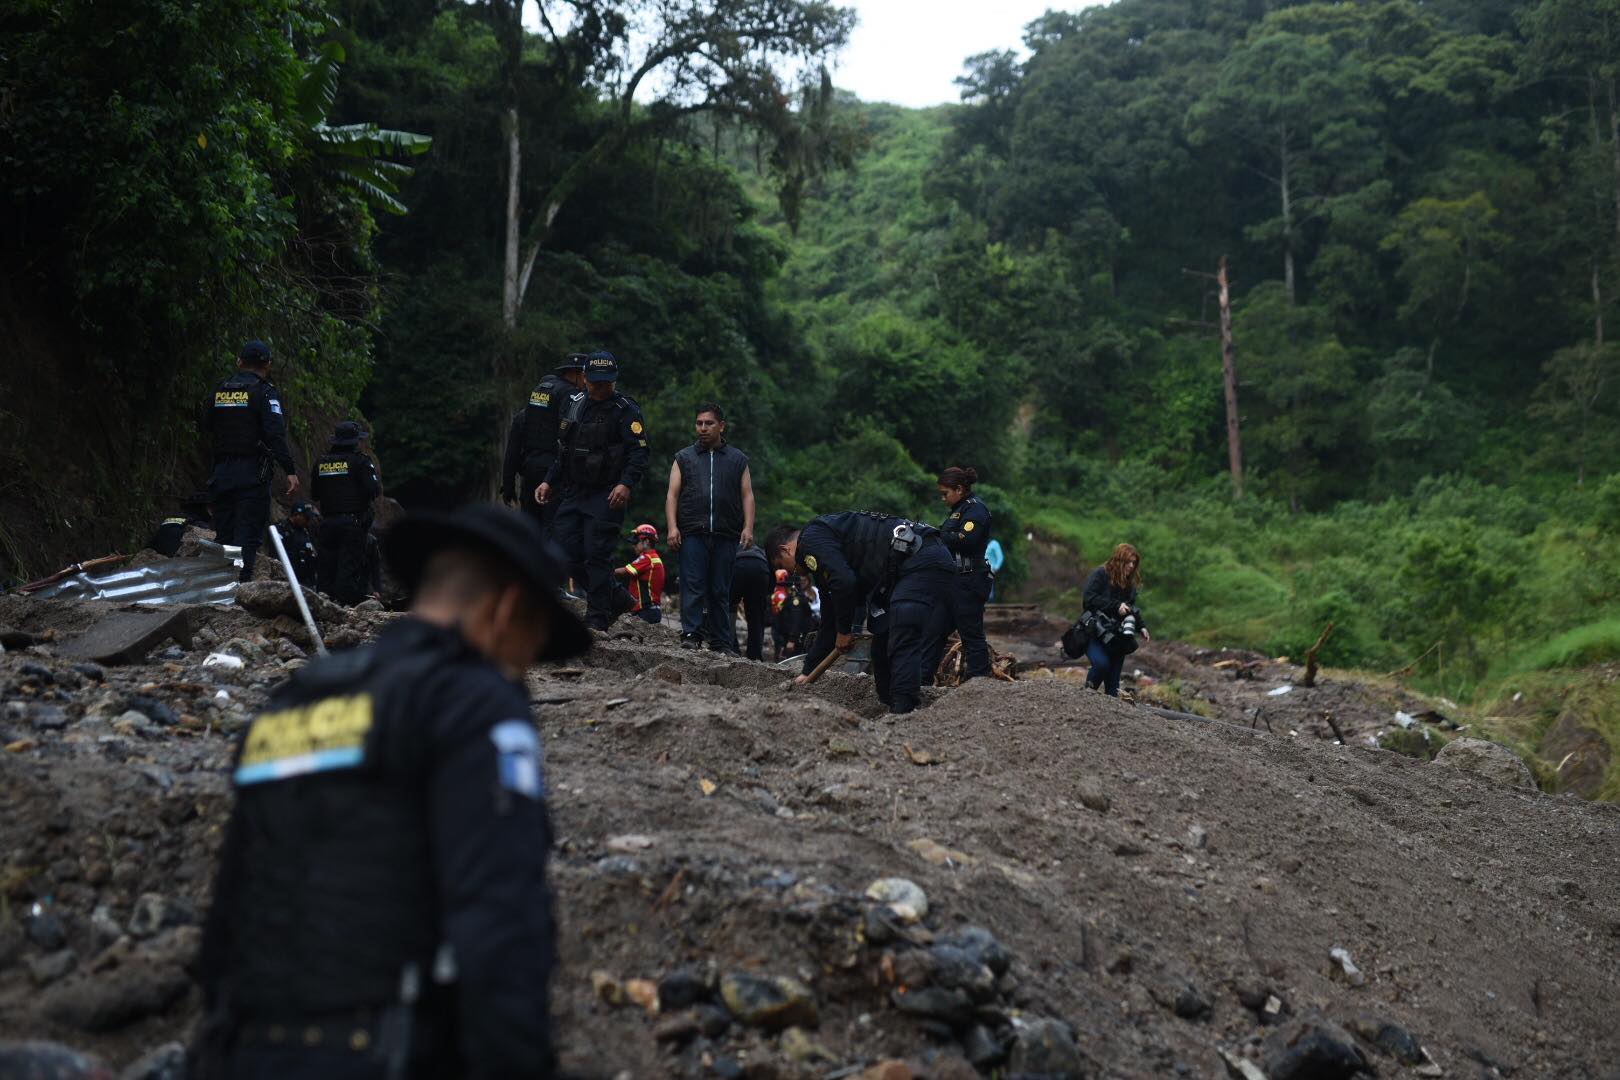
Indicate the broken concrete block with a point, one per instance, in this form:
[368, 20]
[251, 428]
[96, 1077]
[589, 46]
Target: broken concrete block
[125, 637]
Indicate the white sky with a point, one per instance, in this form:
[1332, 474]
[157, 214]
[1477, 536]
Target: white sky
[908, 51]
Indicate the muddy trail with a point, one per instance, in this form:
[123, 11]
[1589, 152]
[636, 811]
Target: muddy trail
[1021, 879]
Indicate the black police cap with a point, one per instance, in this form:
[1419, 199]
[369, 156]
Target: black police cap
[601, 367]
[255, 352]
[574, 361]
[348, 433]
[510, 535]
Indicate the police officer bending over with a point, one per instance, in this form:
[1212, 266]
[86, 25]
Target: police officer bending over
[381, 909]
[601, 455]
[531, 445]
[244, 422]
[896, 566]
[345, 483]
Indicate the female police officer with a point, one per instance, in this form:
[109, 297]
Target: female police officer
[966, 532]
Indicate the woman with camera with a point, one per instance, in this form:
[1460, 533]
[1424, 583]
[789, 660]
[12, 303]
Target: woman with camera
[1110, 601]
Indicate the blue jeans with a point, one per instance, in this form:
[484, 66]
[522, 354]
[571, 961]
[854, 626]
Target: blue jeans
[706, 562]
[1105, 667]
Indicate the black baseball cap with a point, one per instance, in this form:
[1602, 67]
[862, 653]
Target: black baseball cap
[255, 352]
[512, 536]
[348, 433]
[601, 367]
[574, 361]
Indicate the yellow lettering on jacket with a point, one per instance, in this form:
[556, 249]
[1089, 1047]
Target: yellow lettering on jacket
[230, 399]
[334, 468]
[338, 723]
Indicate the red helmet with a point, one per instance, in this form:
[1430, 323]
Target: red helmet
[646, 532]
[781, 576]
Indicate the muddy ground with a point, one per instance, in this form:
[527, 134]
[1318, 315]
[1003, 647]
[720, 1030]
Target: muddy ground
[1166, 889]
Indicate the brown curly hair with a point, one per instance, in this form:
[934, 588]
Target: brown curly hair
[1124, 567]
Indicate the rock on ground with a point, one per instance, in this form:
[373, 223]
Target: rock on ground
[1488, 760]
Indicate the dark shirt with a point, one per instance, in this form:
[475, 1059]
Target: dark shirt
[390, 802]
[243, 418]
[1102, 596]
[847, 555]
[711, 501]
[966, 531]
[625, 440]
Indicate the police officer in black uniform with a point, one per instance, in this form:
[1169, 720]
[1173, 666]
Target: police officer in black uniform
[531, 444]
[243, 418]
[601, 455]
[751, 587]
[380, 910]
[966, 532]
[898, 568]
[344, 485]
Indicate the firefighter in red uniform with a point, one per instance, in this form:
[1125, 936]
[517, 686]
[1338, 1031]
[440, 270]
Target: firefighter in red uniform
[644, 577]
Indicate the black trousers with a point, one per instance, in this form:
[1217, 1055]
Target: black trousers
[900, 635]
[751, 583]
[342, 554]
[241, 505]
[544, 516]
[962, 611]
[586, 532]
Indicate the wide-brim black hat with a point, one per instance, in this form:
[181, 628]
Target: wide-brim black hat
[417, 537]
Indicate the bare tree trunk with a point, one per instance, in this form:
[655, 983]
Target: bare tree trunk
[1614, 152]
[1234, 437]
[509, 278]
[1597, 306]
[1287, 217]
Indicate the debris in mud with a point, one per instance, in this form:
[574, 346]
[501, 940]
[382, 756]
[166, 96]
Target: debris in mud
[901, 896]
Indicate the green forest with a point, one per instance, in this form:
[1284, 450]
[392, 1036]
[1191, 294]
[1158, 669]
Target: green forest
[421, 204]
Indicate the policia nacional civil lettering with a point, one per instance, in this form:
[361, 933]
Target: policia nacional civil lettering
[601, 455]
[898, 568]
[248, 431]
[381, 910]
[531, 444]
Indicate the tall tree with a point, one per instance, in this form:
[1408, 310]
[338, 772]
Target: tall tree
[657, 64]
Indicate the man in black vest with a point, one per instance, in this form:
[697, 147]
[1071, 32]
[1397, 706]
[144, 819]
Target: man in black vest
[710, 509]
[601, 455]
[531, 444]
[380, 910]
[344, 485]
[244, 422]
[899, 568]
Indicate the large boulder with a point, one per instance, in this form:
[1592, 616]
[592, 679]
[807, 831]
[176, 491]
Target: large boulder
[267, 599]
[1491, 761]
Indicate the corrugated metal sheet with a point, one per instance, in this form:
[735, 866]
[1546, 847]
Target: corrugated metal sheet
[207, 578]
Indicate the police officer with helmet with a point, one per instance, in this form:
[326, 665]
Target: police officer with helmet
[248, 432]
[601, 455]
[344, 485]
[899, 569]
[381, 910]
[531, 444]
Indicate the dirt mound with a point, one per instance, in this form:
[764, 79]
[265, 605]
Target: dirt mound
[1105, 890]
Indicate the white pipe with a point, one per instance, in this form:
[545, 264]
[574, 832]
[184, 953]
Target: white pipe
[297, 590]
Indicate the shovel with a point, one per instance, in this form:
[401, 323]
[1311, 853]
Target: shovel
[828, 661]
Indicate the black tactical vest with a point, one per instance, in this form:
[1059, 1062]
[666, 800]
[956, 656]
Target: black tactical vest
[233, 418]
[340, 485]
[338, 896]
[543, 417]
[594, 449]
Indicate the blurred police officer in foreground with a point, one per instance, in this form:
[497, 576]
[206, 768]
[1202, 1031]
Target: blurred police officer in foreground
[381, 909]
[245, 424]
[601, 455]
[531, 444]
[898, 568]
[344, 485]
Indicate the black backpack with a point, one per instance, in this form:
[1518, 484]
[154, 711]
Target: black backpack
[1077, 638]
